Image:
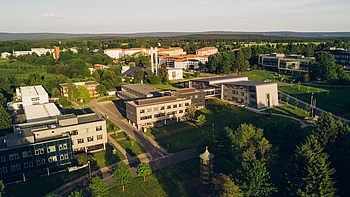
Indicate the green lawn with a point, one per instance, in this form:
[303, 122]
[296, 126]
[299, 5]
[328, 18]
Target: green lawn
[132, 149]
[119, 135]
[156, 131]
[335, 100]
[163, 86]
[39, 186]
[179, 180]
[111, 127]
[106, 157]
[290, 110]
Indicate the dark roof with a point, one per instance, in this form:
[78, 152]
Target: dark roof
[249, 83]
[131, 72]
[207, 79]
[186, 90]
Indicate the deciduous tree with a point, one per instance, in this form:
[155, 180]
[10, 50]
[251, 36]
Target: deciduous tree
[122, 175]
[98, 187]
[143, 170]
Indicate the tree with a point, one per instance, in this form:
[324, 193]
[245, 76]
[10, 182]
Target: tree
[78, 193]
[2, 188]
[201, 120]
[225, 187]
[5, 120]
[143, 170]
[163, 73]
[98, 187]
[101, 89]
[191, 112]
[55, 93]
[309, 172]
[72, 91]
[255, 180]
[83, 94]
[122, 175]
[325, 130]
[249, 144]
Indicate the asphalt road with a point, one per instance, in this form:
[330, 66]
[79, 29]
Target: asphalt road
[110, 110]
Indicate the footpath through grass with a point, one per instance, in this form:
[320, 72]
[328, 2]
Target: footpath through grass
[335, 100]
[129, 145]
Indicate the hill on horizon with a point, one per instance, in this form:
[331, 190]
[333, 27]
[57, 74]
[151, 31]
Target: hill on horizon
[4, 36]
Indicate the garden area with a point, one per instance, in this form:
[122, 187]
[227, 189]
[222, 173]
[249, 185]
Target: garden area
[289, 110]
[335, 100]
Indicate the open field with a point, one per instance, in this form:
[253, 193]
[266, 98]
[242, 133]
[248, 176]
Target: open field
[335, 100]
[179, 180]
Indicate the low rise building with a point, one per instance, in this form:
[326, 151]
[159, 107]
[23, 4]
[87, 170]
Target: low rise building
[90, 86]
[5, 55]
[87, 132]
[27, 96]
[212, 85]
[253, 94]
[175, 73]
[197, 96]
[158, 111]
[294, 64]
[114, 53]
[137, 91]
[207, 51]
[34, 113]
[341, 56]
[172, 51]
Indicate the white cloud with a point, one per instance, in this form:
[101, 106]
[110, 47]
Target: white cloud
[51, 15]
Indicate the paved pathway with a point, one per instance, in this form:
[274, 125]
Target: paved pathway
[117, 145]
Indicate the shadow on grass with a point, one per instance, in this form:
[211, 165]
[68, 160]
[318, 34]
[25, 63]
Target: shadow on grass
[110, 157]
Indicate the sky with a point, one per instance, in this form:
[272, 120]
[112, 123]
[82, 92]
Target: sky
[129, 16]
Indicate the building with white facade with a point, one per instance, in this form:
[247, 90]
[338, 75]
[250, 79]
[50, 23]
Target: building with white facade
[114, 53]
[29, 95]
[175, 73]
[207, 51]
[41, 112]
[89, 85]
[255, 94]
[5, 55]
[172, 51]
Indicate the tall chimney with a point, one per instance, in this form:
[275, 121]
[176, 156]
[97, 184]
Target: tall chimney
[156, 61]
[152, 60]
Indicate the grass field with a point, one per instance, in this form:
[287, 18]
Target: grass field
[179, 180]
[264, 75]
[163, 86]
[131, 147]
[335, 100]
[290, 110]
[106, 157]
[111, 127]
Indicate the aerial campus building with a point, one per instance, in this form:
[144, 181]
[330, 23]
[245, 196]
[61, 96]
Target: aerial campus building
[27, 96]
[44, 139]
[89, 85]
[341, 56]
[293, 64]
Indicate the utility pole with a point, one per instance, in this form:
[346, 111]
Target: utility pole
[89, 169]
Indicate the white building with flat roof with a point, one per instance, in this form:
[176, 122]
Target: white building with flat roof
[29, 95]
[46, 111]
[5, 55]
[175, 73]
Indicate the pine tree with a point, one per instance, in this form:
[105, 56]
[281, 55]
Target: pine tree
[5, 119]
[225, 187]
[326, 130]
[310, 173]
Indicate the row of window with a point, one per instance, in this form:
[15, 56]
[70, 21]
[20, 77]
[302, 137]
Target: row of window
[163, 107]
[89, 139]
[162, 114]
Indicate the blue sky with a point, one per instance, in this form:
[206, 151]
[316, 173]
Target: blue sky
[122, 16]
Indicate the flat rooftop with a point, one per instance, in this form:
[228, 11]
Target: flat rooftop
[142, 88]
[186, 90]
[154, 101]
[41, 112]
[217, 78]
[32, 90]
[249, 83]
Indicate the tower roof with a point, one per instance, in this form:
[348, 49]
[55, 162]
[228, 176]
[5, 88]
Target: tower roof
[206, 155]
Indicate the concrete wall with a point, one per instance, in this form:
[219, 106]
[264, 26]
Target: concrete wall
[261, 95]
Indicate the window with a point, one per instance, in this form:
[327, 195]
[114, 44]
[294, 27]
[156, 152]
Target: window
[38, 162]
[174, 106]
[3, 158]
[99, 137]
[155, 109]
[181, 111]
[65, 156]
[13, 168]
[75, 132]
[149, 110]
[51, 149]
[63, 147]
[61, 157]
[37, 152]
[142, 111]
[16, 156]
[35, 99]
[0, 170]
[90, 139]
[30, 164]
[99, 128]
[80, 141]
[43, 161]
[4, 170]
[41, 151]
[25, 165]
[187, 104]
[52, 159]
[168, 107]
[180, 105]
[11, 157]
[18, 166]
[162, 108]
